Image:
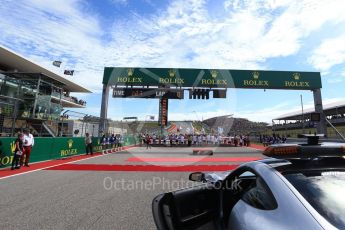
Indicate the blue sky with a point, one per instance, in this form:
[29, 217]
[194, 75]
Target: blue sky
[301, 35]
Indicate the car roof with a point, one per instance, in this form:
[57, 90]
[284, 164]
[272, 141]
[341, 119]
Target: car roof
[311, 156]
[300, 143]
[307, 151]
[302, 165]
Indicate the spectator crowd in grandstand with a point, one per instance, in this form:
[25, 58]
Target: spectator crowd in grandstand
[66, 96]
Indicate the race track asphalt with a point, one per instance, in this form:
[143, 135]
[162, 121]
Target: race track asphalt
[60, 199]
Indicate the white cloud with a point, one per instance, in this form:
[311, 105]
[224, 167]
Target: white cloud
[185, 35]
[48, 30]
[182, 35]
[331, 52]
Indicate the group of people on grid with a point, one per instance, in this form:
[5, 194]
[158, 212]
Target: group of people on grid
[112, 141]
[22, 149]
[267, 140]
[194, 139]
[107, 142]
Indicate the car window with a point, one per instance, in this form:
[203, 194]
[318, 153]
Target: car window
[325, 192]
[247, 174]
[259, 195]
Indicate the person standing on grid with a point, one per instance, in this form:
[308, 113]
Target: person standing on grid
[148, 141]
[18, 152]
[28, 144]
[88, 144]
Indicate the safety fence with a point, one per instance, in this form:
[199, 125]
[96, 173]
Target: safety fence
[49, 148]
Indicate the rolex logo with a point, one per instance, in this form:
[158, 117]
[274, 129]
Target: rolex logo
[256, 74]
[172, 73]
[296, 76]
[13, 146]
[130, 72]
[70, 143]
[214, 73]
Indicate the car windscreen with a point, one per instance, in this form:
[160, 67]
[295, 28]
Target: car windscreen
[324, 191]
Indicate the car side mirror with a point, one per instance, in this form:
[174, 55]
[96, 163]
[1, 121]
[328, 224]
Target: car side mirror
[197, 176]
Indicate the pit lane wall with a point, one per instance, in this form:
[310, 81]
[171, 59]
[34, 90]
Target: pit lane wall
[47, 148]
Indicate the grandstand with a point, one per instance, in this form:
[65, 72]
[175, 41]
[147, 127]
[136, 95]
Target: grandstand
[32, 96]
[152, 127]
[295, 123]
[228, 125]
[235, 126]
[136, 127]
[173, 127]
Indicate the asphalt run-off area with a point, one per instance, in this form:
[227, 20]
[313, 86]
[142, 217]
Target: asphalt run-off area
[111, 191]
